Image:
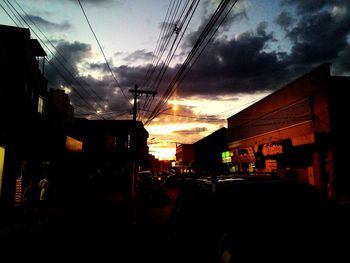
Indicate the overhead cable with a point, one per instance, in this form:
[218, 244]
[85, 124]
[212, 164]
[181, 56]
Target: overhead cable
[104, 56]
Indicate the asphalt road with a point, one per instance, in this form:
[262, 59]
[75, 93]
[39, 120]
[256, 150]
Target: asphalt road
[107, 226]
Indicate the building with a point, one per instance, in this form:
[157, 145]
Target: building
[185, 157]
[22, 109]
[107, 153]
[34, 121]
[296, 131]
[208, 153]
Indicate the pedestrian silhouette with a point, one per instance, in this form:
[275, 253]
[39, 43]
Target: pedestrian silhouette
[43, 199]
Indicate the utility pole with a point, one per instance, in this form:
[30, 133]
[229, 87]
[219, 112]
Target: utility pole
[136, 92]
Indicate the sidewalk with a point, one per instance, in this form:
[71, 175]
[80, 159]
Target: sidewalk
[66, 218]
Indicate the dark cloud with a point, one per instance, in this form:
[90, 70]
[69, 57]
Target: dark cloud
[342, 65]
[233, 17]
[246, 63]
[102, 67]
[208, 8]
[43, 23]
[194, 131]
[285, 20]
[69, 55]
[127, 76]
[319, 37]
[237, 65]
[249, 63]
[309, 6]
[62, 71]
[139, 55]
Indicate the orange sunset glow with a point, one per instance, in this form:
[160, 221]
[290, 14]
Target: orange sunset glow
[189, 120]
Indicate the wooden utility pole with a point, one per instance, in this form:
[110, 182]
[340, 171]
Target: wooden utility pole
[136, 92]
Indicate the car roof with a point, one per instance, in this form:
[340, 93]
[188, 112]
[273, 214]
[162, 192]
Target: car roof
[248, 205]
[259, 190]
[145, 172]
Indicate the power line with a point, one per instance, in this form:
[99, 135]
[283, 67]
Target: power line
[9, 15]
[186, 66]
[104, 56]
[190, 117]
[181, 25]
[237, 107]
[7, 4]
[183, 67]
[57, 51]
[78, 93]
[162, 43]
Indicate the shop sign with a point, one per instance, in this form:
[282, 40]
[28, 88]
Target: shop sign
[226, 157]
[270, 165]
[272, 149]
[246, 155]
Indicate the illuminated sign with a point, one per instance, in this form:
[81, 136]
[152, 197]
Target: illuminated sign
[243, 155]
[73, 145]
[226, 157]
[272, 149]
[270, 165]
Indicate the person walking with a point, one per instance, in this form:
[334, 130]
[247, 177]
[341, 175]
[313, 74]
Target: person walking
[43, 198]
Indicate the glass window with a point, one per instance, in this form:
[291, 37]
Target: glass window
[129, 141]
[41, 103]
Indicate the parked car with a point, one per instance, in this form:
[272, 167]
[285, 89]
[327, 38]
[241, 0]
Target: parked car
[149, 186]
[235, 219]
[177, 179]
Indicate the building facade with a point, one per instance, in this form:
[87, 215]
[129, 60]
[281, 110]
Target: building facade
[208, 154]
[34, 121]
[22, 109]
[185, 158]
[111, 151]
[295, 131]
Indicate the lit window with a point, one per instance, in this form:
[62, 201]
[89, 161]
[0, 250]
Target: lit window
[73, 145]
[129, 141]
[41, 105]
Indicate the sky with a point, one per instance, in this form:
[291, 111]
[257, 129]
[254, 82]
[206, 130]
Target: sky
[201, 73]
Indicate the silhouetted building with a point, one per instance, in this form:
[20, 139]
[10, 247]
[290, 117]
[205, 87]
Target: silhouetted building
[22, 109]
[297, 131]
[185, 158]
[158, 166]
[208, 153]
[107, 150]
[34, 122]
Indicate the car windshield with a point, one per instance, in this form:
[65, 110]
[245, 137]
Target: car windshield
[144, 175]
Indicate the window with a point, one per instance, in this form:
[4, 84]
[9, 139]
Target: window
[41, 105]
[129, 142]
[2, 159]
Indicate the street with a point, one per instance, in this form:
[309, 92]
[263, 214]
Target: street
[106, 224]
